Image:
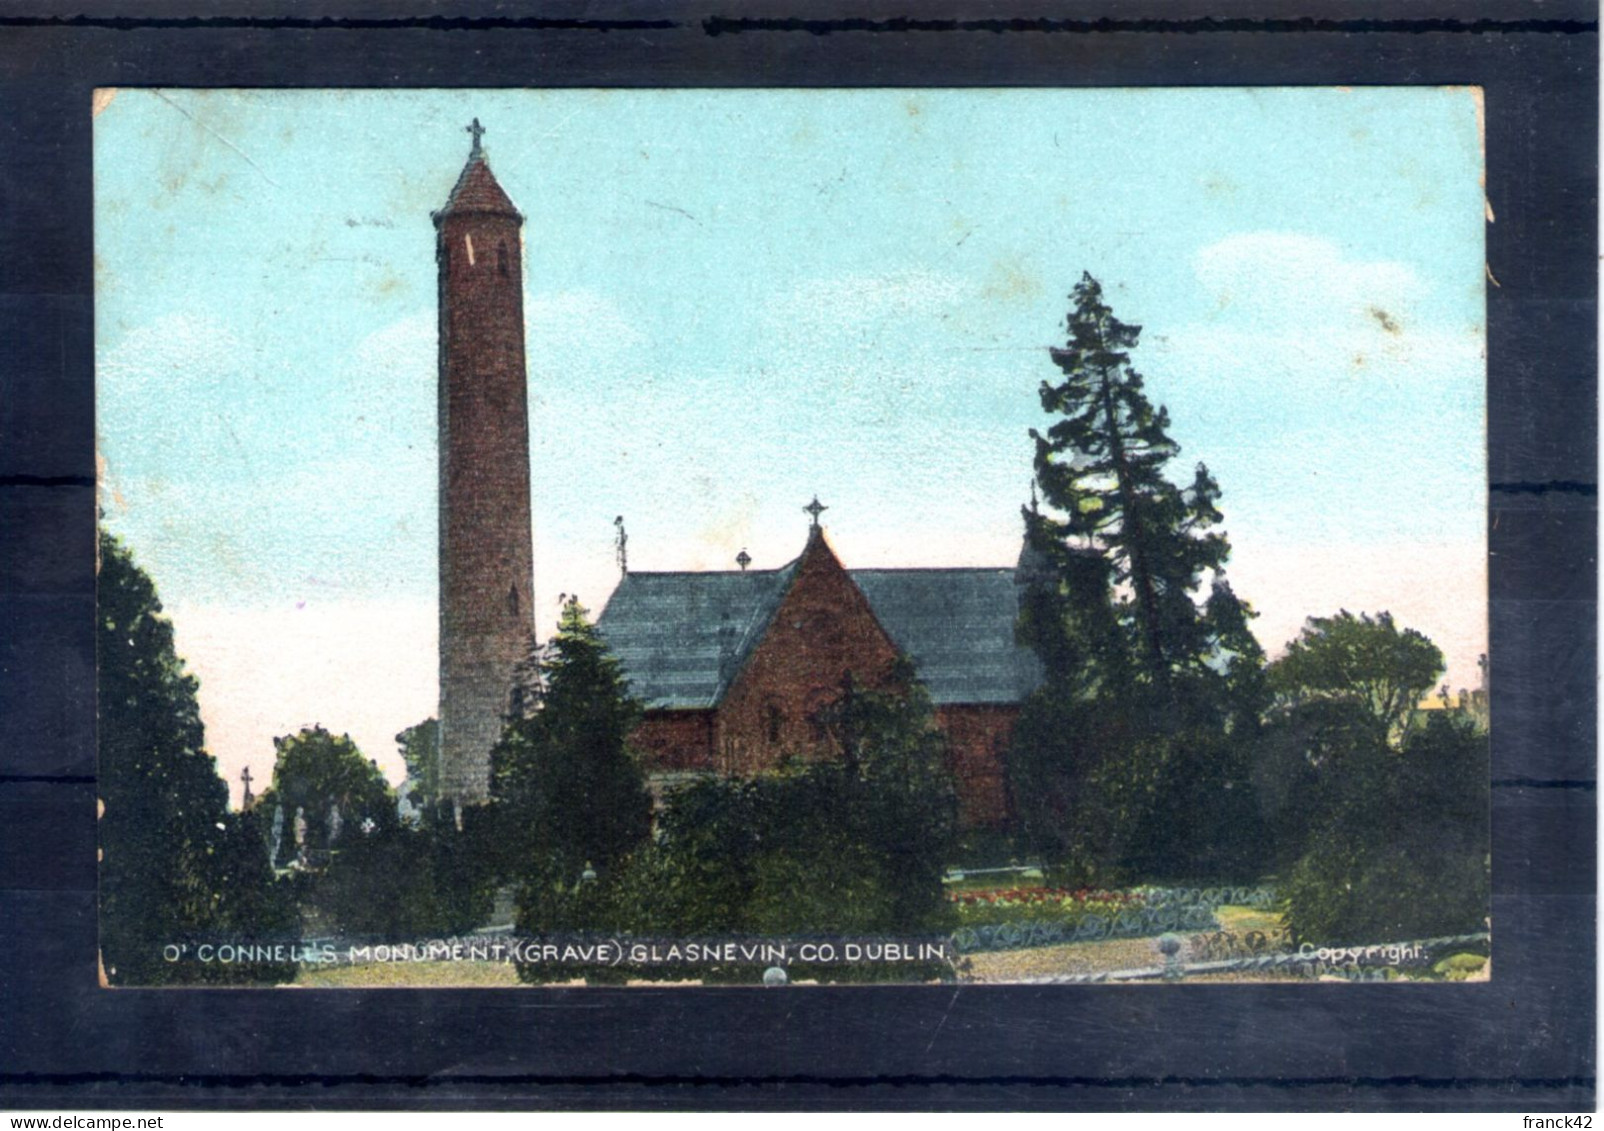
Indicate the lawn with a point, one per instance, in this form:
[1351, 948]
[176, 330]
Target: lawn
[403, 974]
[1241, 920]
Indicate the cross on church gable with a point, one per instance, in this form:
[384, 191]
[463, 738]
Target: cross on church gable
[477, 131]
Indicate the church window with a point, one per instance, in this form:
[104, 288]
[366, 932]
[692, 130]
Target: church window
[773, 721]
[467, 243]
[512, 600]
[501, 259]
[819, 703]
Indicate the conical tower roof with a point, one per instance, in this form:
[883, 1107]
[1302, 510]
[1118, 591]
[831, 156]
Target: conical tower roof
[477, 189]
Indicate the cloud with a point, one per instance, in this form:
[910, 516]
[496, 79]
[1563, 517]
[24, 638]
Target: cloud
[580, 329]
[178, 398]
[406, 346]
[1282, 277]
[1325, 363]
[864, 300]
[1295, 319]
[171, 354]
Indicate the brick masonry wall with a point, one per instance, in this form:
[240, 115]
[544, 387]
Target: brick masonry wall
[822, 629]
[977, 754]
[486, 555]
[676, 741]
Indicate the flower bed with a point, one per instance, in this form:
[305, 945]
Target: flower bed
[1008, 918]
[1041, 904]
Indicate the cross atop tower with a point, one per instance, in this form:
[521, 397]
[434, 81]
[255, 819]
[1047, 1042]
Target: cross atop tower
[477, 131]
[815, 508]
[248, 796]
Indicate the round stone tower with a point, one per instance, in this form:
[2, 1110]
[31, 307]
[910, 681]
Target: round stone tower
[486, 547]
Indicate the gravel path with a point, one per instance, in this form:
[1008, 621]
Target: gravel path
[1070, 958]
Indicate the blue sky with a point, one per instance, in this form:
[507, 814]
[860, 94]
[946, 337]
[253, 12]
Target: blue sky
[737, 299]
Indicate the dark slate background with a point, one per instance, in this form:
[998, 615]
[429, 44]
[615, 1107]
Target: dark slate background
[1523, 1042]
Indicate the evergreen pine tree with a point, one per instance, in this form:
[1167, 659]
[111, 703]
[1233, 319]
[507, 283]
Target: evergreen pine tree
[1124, 537]
[567, 791]
[1132, 754]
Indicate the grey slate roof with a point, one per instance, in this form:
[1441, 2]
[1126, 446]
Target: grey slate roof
[682, 637]
[958, 626]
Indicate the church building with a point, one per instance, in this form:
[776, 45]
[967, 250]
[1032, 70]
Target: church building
[735, 667]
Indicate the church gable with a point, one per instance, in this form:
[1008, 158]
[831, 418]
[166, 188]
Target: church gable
[822, 628]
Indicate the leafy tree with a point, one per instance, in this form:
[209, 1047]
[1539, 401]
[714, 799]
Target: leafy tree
[1400, 850]
[406, 882]
[853, 845]
[1299, 752]
[176, 866]
[1058, 746]
[567, 790]
[903, 804]
[325, 779]
[1345, 689]
[1363, 662]
[420, 750]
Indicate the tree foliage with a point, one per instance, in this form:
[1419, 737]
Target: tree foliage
[1360, 661]
[1399, 848]
[1131, 756]
[567, 790]
[176, 866]
[323, 778]
[420, 750]
[848, 845]
[1380, 827]
[405, 882]
[901, 801]
[1120, 536]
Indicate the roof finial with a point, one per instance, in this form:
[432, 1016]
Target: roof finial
[743, 559]
[621, 542]
[477, 131]
[815, 508]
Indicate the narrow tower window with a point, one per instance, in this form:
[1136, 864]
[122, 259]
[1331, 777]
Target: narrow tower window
[467, 242]
[512, 600]
[501, 259]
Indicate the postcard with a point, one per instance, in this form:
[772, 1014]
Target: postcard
[781, 537]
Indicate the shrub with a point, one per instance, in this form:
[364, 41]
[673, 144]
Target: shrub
[1402, 852]
[404, 883]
